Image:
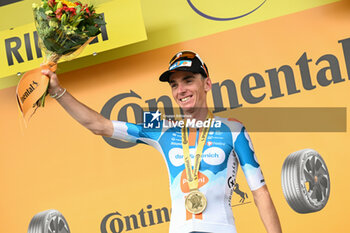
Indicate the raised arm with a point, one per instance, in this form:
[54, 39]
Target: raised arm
[87, 117]
[267, 211]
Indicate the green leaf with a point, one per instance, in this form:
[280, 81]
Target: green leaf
[42, 9]
[99, 21]
[76, 23]
[42, 14]
[51, 45]
[64, 19]
[78, 9]
[92, 31]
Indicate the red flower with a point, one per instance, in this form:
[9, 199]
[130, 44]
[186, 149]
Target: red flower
[51, 3]
[59, 16]
[58, 13]
[72, 11]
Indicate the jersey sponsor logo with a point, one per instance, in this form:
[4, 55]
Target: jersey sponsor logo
[209, 143]
[202, 180]
[240, 193]
[231, 181]
[176, 156]
[219, 143]
[176, 143]
[232, 178]
[214, 156]
[176, 139]
[215, 138]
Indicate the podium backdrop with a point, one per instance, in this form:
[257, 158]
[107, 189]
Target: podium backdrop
[57, 164]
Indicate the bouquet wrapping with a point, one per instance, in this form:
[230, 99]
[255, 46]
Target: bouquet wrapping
[64, 27]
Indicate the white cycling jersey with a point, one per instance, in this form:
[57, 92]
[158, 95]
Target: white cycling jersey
[226, 147]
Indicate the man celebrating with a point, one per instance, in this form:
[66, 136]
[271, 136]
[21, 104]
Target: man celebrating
[202, 151]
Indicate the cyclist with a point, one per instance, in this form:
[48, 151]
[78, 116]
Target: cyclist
[202, 153]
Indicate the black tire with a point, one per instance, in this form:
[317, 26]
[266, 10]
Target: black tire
[49, 221]
[305, 181]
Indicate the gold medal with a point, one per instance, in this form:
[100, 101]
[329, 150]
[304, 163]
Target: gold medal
[195, 202]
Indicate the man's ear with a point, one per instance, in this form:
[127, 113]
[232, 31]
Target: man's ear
[207, 84]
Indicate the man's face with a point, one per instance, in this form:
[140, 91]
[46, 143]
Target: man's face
[189, 90]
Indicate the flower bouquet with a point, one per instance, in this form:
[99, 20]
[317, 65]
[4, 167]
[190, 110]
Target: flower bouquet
[64, 27]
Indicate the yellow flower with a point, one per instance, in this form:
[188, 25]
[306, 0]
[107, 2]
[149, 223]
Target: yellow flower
[53, 24]
[59, 5]
[48, 12]
[68, 3]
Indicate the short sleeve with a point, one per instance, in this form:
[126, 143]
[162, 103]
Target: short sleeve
[134, 132]
[246, 156]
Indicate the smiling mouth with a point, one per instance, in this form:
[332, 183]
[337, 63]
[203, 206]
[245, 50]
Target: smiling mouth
[186, 99]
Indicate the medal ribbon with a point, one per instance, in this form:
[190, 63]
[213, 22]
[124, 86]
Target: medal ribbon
[192, 176]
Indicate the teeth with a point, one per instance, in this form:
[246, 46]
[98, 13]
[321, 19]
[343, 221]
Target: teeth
[184, 99]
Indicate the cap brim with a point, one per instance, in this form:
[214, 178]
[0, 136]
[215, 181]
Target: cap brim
[166, 75]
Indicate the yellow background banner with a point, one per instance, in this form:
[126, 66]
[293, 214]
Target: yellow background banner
[167, 22]
[56, 164]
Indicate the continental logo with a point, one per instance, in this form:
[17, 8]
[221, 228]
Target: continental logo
[218, 18]
[328, 72]
[29, 91]
[146, 218]
[13, 46]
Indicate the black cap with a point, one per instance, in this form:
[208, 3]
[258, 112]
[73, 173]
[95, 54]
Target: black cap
[185, 61]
